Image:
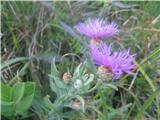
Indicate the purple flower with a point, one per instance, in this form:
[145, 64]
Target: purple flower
[117, 62]
[97, 29]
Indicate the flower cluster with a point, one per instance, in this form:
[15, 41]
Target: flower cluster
[117, 63]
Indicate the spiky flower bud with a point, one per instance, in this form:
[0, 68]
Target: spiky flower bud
[67, 76]
[95, 41]
[76, 105]
[104, 73]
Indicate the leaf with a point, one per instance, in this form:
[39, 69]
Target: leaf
[24, 105]
[5, 92]
[85, 77]
[6, 103]
[15, 41]
[7, 109]
[39, 105]
[23, 71]
[110, 85]
[18, 100]
[96, 110]
[90, 79]
[125, 6]
[125, 108]
[54, 71]
[94, 87]
[77, 71]
[48, 102]
[146, 76]
[53, 86]
[154, 54]
[12, 61]
[58, 82]
[147, 103]
[28, 96]
[17, 92]
[48, 56]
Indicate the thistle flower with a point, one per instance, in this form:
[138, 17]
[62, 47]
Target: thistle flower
[97, 29]
[117, 63]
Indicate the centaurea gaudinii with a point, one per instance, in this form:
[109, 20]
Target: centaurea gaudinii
[97, 29]
[117, 63]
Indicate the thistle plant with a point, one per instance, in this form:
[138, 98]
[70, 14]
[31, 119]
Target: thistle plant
[70, 89]
[68, 94]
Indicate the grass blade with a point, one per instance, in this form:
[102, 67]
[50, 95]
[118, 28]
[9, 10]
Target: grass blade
[146, 105]
[12, 61]
[146, 76]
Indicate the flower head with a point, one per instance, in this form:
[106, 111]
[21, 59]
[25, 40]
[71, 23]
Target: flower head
[67, 76]
[76, 105]
[117, 62]
[97, 29]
